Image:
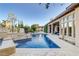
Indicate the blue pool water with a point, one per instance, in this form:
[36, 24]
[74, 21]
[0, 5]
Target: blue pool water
[37, 41]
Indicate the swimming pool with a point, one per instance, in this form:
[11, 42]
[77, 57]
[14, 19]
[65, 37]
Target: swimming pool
[37, 41]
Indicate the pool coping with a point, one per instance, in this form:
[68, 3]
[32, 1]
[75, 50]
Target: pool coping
[66, 49]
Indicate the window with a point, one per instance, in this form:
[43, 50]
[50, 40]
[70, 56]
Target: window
[61, 25]
[70, 28]
[61, 21]
[70, 31]
[70, 24]
[65, 25]
[65, 19]
[65, 31]
[71, 17]
[65, 28]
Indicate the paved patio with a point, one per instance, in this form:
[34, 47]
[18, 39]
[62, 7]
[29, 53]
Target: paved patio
[66, 49]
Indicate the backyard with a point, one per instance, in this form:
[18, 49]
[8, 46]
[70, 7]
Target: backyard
[34, 29]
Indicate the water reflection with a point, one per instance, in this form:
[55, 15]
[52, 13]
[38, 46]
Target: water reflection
[37, 41]
[37, 37]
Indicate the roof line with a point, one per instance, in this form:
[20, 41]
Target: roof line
[68, 9]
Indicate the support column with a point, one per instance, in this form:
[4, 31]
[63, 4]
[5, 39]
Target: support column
[51, 28]
[55, 28]
[59, 28]
[48, 29]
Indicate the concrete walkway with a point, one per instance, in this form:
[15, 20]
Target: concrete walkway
[66, 49]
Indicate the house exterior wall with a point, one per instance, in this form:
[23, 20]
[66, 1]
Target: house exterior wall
[67, 37]
[8, 25]
[77, 26]
[67, 22]
[40, 28]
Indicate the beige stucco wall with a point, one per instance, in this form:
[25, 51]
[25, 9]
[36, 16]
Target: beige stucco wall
[69, 38]
[77, 27]
[8, 24]
[76, 22]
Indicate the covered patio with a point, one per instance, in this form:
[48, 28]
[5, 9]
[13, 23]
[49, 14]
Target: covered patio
[53, 27]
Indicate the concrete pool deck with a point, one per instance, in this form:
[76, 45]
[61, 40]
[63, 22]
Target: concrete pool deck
[66, 49]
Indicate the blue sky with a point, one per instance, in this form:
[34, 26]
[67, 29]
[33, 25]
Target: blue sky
[31, 13]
